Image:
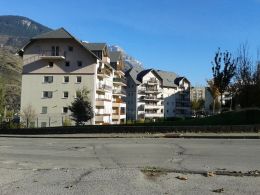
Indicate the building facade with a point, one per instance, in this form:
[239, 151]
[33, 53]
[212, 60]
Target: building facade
[154, 94]
[200, 92]
[55, 66]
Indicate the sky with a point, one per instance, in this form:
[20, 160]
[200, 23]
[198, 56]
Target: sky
[173, 35]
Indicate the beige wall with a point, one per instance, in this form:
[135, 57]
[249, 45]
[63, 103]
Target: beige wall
[32, 63]
[35, 69]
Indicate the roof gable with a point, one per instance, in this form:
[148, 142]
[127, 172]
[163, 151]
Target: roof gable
[168, 78]
[115, 56]
[60, 33]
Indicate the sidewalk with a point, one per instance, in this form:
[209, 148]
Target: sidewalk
[142, 135]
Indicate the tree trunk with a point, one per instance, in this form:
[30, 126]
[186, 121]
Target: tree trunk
[214, 101]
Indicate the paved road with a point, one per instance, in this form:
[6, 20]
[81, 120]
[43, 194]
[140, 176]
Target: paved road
[112, 166]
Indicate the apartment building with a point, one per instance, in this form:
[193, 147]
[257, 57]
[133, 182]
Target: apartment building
[55, 66]
[176, 93]
[119, 91]
[200, 92]
[154, 94]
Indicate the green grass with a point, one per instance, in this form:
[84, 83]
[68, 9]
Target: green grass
[245, 117]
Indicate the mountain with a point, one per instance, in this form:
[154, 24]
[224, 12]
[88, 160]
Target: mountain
[15, 31]
[130, 61]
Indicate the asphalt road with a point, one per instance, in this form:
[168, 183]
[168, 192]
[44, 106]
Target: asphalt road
[112, 166]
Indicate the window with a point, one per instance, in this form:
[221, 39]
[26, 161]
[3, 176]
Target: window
[65, 94]
[48, 79]
[70, 48]
[66, 79]
[65, 110]
[50, 65]
[78, 79]
[43, 124]
[67, 63]
[79, 63]
[47, 94]
[44, 110]
[55, 51]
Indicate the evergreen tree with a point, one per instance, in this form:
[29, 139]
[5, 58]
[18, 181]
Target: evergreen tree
[82, 111]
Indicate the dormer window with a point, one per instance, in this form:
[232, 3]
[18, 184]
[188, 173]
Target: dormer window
[50, 65]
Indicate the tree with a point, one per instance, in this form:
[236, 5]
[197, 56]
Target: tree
[28, 114]
[247, 93]
[222, 76]
[82, 110]
[197, 105]
[214, 93]
[244, 71]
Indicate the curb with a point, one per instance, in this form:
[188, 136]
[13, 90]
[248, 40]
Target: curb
[166, 136]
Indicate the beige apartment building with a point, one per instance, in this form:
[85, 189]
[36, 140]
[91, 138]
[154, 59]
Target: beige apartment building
[154, 94]
[55, 66]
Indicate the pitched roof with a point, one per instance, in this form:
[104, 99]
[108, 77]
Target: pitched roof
[168, 78]
[95, 46]
[142, 74]
[133, 72]
[115, 56]
[177, 80]
[60, 33]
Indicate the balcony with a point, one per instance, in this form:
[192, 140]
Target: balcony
[153, 115]
[100, 102]
[153, 107]
[119, 103]
[150, 98]
[119, 81]
[153, 90]
[152, 81]
[141, 90]
[101, 119]
[141, 108]
[103, 72]
[119, 92]
[103, 87]
[52, 55]
[102, 113]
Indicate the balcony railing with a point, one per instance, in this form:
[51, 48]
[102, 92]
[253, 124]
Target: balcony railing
[119, 91]
[153, 115]
[103, 99]
[152, 81]
[52, 54]
[103, 71]
[119, 80]
[103, 86]
[154, 106]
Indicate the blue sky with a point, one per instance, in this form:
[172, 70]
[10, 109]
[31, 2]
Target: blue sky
[174, 35]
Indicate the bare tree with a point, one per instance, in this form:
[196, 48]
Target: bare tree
[244, 72]
[28, 114]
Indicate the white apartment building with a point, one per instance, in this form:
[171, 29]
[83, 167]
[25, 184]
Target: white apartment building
[154, 94]
[55, 66]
